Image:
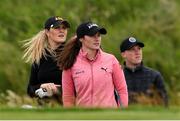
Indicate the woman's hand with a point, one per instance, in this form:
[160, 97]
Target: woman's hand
[50, 87]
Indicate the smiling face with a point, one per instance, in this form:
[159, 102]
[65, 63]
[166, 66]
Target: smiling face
[57, 35]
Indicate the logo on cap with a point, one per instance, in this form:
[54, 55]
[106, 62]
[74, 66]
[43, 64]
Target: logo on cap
[58, 18]
[92, 25]
[132, 39]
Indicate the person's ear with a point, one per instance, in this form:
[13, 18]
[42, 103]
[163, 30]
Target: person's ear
[46, 30]
[123, 54]
[80, 39]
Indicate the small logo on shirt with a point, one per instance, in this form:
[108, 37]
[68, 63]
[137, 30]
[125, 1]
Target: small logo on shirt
[79, 72]
[105, 69]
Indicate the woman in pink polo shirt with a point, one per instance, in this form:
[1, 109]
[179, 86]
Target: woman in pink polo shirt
[90, 75]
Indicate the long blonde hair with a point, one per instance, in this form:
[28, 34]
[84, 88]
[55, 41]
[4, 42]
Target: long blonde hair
[35, 47]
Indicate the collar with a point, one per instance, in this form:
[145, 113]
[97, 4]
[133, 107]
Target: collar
[84, 54]
[137, 68]
[60, 47]
[50, 53]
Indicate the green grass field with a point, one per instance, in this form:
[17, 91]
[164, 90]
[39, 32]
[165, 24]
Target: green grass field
[135, 112]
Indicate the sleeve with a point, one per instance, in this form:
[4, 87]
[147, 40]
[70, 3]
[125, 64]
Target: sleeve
[159, 82]
[68, 89]
[33, 81]
[120, 83]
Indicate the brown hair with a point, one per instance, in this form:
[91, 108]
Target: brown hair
[68, 55]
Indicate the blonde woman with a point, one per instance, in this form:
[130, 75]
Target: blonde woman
[41, 51]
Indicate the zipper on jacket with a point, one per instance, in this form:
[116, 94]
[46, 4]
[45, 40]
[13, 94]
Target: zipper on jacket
[92, 75]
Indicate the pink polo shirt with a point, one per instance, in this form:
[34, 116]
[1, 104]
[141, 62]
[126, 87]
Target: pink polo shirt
[92, 83]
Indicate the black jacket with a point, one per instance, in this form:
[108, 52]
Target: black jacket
[46, 71]
[142, 79]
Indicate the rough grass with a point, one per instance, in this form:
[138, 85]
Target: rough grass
[133, 112]
[14, 106]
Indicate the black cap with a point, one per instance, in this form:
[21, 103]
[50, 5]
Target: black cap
[128, 43]
[90, 29]
[54, 22]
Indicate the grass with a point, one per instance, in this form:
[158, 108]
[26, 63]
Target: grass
[133, 112]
